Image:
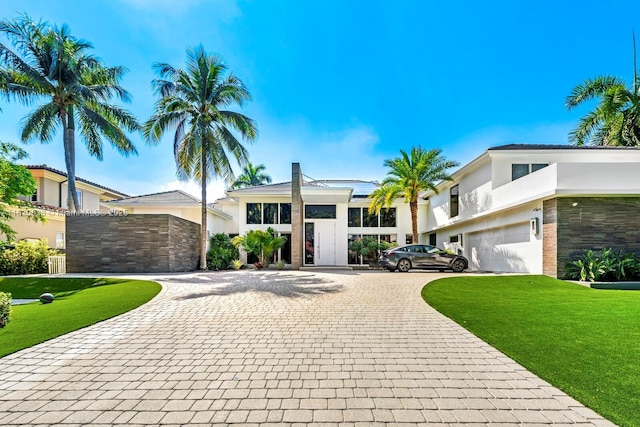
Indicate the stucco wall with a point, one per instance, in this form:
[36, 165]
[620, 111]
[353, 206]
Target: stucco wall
[131, 244]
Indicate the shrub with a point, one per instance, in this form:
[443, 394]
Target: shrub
[221, 252]
[5, 309]
[25, 258]
[237, 264]
[604, 265]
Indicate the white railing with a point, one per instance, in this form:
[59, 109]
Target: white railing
[57, 264]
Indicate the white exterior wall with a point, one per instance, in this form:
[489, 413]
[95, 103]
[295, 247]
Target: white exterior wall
[494, 222]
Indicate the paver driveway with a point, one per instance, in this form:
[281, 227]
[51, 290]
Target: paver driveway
[348, 348]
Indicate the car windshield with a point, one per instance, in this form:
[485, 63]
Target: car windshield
[432, 249]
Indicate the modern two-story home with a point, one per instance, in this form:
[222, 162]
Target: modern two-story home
[320, 218]
[533, 208]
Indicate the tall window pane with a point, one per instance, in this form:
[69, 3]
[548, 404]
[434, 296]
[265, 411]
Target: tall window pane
[388, 217]
[285, 213]
[355, 219]
[270, 213]
[369, 218]
[453, 201]
[254, 213]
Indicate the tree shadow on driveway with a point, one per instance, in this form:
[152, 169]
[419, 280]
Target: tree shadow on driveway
[277, 283]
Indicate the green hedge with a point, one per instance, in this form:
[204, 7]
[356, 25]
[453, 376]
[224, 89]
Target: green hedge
[25, 258]
[5, 309]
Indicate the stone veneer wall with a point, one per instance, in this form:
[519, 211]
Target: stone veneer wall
[592, 223]
[131, 244]
[297, 217]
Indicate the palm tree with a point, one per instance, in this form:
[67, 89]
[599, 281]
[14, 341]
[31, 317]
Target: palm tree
[193, 101]
[251, 175]
[616, 117]
[409, 175]
[51, 65]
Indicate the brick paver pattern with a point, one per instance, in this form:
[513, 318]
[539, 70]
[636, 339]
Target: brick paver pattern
[334, 348]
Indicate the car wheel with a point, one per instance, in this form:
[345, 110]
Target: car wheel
[404, 265]
[458, 266]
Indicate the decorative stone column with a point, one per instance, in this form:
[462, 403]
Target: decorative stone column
[297, 217]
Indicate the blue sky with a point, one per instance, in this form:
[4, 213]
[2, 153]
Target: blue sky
[341, 85]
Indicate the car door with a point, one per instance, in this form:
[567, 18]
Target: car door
[429, 256]
[416, 255]
[440, 257]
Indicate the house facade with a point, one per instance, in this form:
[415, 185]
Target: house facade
[50, 198]
[533, 208]
[320, 218]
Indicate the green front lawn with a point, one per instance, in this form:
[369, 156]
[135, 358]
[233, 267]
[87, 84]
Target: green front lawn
[584, 341]
[78, 303]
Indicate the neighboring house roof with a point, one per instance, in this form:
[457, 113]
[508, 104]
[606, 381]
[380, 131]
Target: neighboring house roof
[64, 174]
[166, 198]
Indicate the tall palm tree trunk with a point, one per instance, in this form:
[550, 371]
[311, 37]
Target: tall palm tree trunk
[413, 207]
[73, 204]
[203, 228]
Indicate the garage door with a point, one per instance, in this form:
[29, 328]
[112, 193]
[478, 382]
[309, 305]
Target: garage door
[505, 249]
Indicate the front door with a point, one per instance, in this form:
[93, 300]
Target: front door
[325, 243]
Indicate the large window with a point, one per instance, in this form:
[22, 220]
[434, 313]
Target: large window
[388, 217]
[254, 213]
[454, 204]
[355, 217]
[320, 211]
[369, 218]
[268, 213]
[360, 217]
[518, 170]
[285, 213]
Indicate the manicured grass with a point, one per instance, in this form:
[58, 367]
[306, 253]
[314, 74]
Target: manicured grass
[78, 303]
[584, 341]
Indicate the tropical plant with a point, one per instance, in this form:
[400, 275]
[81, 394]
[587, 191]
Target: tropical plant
[409, 175]
[15, 180]
[237, 264]
[261, 243]
[604, 265]
[49, 64]
[616, 118]
[251, 175]
[221, 252]
[193, 101]
[280, 265]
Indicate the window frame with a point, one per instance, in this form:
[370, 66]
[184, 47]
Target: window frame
[454, 200]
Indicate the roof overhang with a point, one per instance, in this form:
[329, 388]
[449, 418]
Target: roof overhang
[326, 195]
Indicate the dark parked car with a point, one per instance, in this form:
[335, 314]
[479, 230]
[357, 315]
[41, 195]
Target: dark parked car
[404, 258]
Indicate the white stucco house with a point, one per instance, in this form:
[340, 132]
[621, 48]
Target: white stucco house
[532, 208]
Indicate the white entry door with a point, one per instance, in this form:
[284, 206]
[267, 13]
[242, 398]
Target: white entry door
[325, 245]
